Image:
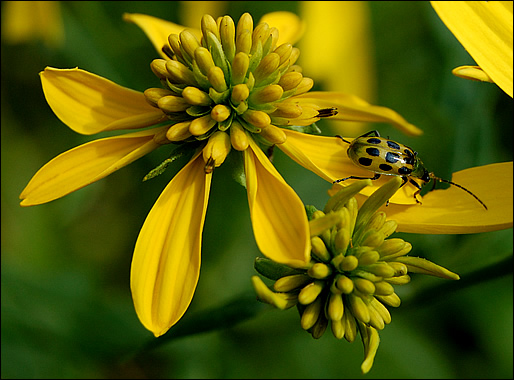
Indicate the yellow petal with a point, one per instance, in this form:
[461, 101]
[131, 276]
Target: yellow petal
[191, 12]
[158, 30]
[88, 103]
[278, 215]
[327, 157]
[347, 63]
[353, 108]
[166, 261]
[370, 340]
[484, 28]
[453, 211]
[27, 21]
[86, 164]
[472, 73]
[290, 26]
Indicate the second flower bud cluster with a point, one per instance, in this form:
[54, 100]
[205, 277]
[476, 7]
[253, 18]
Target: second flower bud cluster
[350, 279]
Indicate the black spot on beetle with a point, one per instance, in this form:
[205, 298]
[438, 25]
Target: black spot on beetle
[365, 161]
[393, 145]
[392, 157]
[410, 156]
[373, 152]
[385, 167]
[374, 140]
[404, 171]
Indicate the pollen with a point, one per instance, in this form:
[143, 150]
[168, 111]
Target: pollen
[235, 79]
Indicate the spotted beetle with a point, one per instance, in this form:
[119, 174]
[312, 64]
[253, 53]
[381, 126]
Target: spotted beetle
[384, 156]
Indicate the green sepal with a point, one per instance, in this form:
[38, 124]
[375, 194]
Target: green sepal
[310, 211]
[288, 94]
[249, 127]
[187, 59]
[242, 107]
[225, 124]
[177, 89]
[256, 57]
[250, 82]
[207, 134]
[272, 78]
[273, 270]
[264, 107]
[218, 55]
[197, 111]
[201, 79]
[265, 144]
[219, 97]
[311, 129]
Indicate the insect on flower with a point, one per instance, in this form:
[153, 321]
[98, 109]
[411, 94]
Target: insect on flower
[384, 156]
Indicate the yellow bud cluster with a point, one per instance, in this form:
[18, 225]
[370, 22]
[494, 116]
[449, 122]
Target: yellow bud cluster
[353, 269]
[234, 79]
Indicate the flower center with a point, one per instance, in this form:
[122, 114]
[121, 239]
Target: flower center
[234, 81]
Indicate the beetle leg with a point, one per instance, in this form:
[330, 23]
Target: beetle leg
[417, 191]
[375, 133]
[348, 142]
[376, 176]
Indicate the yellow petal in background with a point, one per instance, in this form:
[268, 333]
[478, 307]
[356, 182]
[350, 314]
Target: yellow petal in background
[278, 215]
[340, 32]
[88, 103]
[353, 108]
[191, 12]
[289, 25]
[158, 30]
[472, 73]
[166, 261]
[29, 21]
[453, 211]
[484, 28]
[86, 164]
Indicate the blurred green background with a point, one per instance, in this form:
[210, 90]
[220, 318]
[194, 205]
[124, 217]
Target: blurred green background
[66, 305]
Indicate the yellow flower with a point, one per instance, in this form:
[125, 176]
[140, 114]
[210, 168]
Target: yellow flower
[26, 21]
[484, 28]
[350, 279]
[226, 89]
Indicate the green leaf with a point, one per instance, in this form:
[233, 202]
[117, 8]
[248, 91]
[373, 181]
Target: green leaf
[273, 270]
[224, 316]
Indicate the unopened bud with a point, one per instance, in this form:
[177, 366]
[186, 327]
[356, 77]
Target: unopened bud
[258, 119]
[153, 95]
[172, 104]
[217, 79]
[217, 148]
[201, 125]
[274, 135]
[196, 97]
[238, 136]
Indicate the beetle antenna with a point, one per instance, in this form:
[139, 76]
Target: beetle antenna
[348, 142]
[459, 186]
